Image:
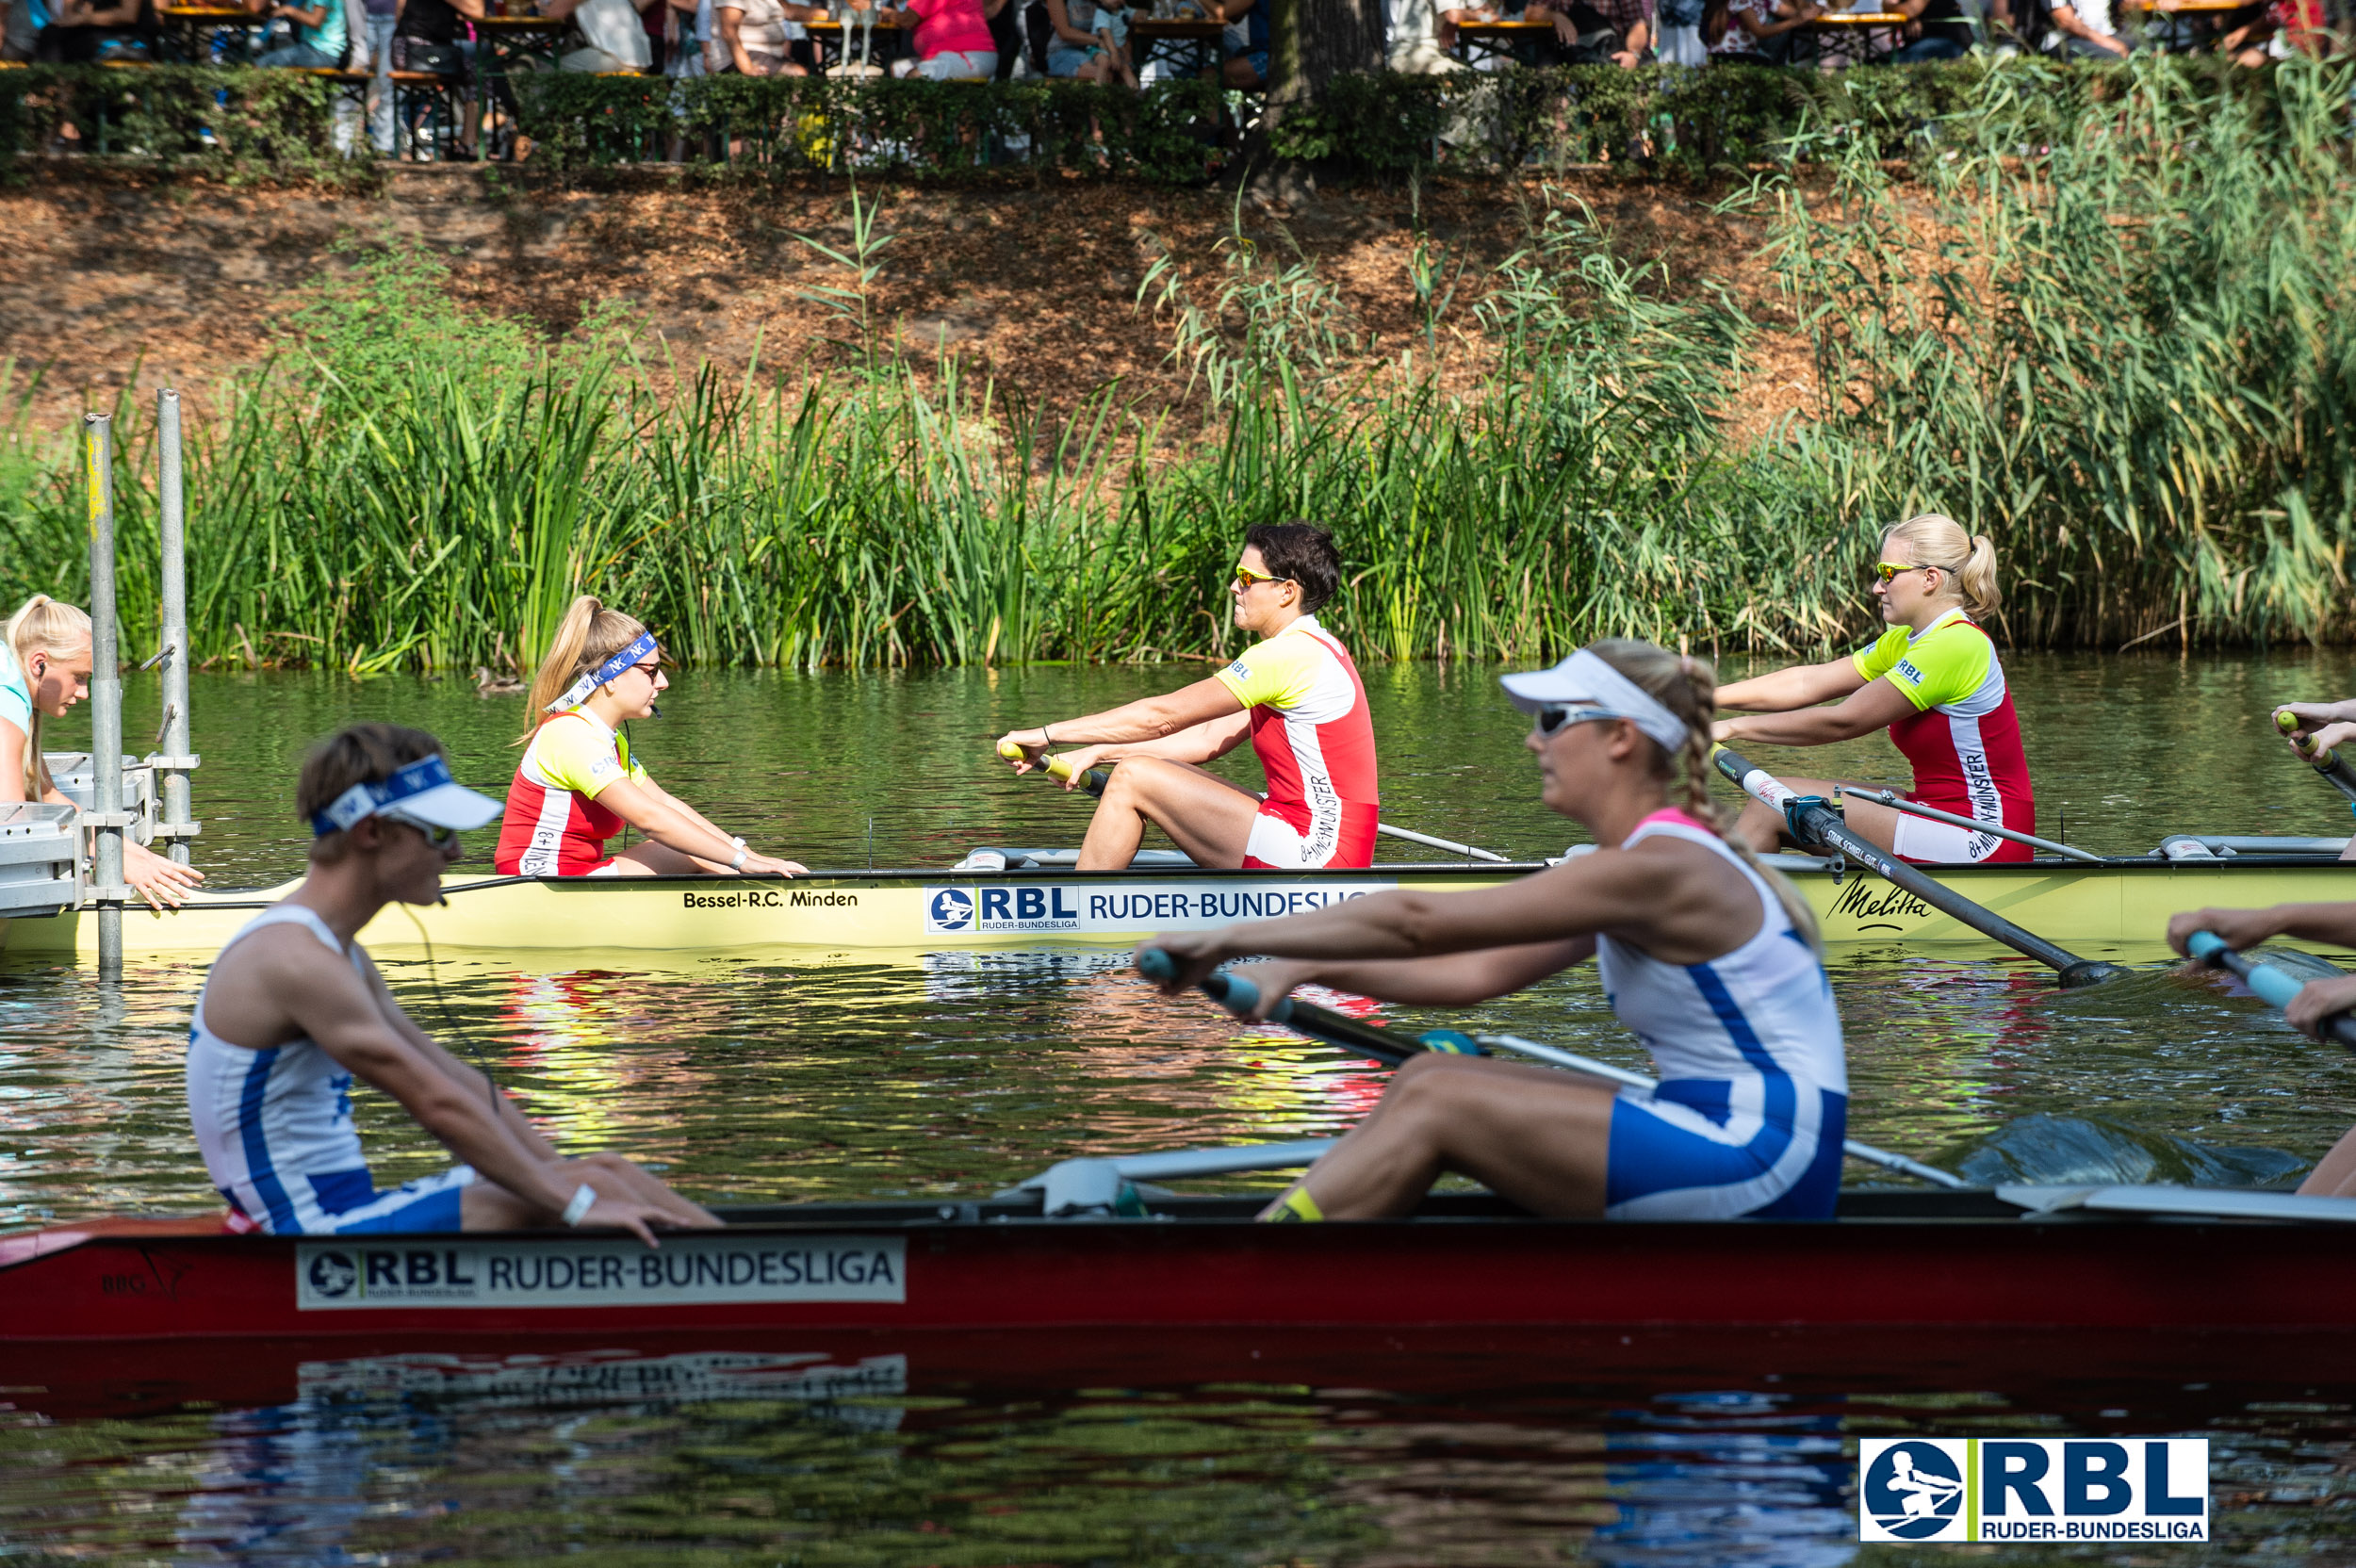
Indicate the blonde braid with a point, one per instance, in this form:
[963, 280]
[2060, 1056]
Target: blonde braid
[1688, 687]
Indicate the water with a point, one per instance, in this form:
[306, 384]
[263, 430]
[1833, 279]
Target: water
[803, 1075]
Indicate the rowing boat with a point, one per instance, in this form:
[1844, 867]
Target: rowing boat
[126, 1298]
[1029, 898]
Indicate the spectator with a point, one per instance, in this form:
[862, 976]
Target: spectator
[21, 36]
[377, 22]
[319, 40]
[1444, 32]
[1680, 27]
[1762, 31]
[1247, 64]
[613, 39]
[81, 31]
[1608, 32]
[1112, 40]
[2081, 31]
[1071, 46]
[752, 37]
[690, 37]
[1935, 30]
[952, 42]
[425, 39]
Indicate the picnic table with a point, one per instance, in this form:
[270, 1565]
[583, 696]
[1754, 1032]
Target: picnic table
[1190, 46]
[2190, 26]
[1514, 41]
[186, 34]
[835, 36]
[1849, 35]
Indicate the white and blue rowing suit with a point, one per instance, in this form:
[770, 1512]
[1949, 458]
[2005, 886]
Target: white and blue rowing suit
[275, 1127]
[1753, 1103]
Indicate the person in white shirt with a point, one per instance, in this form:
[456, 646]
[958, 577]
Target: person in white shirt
[613, 40]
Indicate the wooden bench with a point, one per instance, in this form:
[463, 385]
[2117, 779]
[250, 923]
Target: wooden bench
[437, 96]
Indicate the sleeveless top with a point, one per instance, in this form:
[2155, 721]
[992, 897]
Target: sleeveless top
[1315, 736]
[553, 825]
[1963, 740]
[275, 1125]
[1761, 1016]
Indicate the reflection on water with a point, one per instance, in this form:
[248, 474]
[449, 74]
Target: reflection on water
[806, 1075]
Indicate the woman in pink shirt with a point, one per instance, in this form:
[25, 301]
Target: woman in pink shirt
[952, 42]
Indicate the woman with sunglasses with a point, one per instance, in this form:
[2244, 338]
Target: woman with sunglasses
[1709, 958]
[1934, 681]
[1296, 693]
[578, 784]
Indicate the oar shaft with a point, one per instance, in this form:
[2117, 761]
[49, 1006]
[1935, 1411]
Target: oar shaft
[1059, 770]
[1818, 822]
[2329, 762]
[1605, 1071]
[2273, 984]
[1916, 808]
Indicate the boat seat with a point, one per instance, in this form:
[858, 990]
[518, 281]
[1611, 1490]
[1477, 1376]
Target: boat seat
[1054, 859]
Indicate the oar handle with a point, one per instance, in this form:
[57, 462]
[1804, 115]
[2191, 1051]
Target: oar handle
[2274, 986]
[2325, 760]
[1814, 821]
[1239, 996]
[1056, 768]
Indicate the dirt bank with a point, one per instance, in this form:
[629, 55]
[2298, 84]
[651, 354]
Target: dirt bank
[120, 282]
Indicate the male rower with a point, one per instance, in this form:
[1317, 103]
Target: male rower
[282, 1028]
[2317, 1002]
[1294, 692]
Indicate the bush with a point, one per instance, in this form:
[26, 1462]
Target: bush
[235, 125]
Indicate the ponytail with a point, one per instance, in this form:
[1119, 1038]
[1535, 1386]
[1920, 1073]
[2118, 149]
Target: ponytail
[41, 625]
[587, 636]
[1688, 687]
[1968, 559]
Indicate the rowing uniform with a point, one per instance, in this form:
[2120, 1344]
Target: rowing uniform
[275, 1129]
[554, 825]
[1752, 1107]
[1315, 736]
[1963, 740]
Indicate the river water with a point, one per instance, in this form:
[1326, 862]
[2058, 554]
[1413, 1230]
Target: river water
[792, 1075]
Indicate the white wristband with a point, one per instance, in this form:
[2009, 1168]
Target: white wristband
[584, 1200]
[738, 864]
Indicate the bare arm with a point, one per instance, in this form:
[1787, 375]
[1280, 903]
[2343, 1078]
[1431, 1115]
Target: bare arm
[12, 743]
[470, 1078]
[1061, 17]
[731, 21]
[311, 18]
[2312, 716]
[1678, 901]
[1801, 686]
[2243, 928]
[1457, 980]
[665, 819]
[1147, 719]
[2070, 22]
[1206, 741]
[1877, 706]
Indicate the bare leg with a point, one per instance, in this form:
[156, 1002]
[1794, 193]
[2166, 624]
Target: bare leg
[484, 1205]
[1203, 814]
[1761, 826]
[2335, 1175]
[648, 858]
[1535, 1136]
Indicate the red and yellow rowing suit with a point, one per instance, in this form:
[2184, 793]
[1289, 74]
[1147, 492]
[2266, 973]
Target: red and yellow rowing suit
[554, 825]
[1315, 736]
[1963, 737]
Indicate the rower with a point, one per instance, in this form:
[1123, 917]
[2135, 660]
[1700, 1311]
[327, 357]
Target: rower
[282, 1029]
[2317, 1002]
[1294, 692]
[1934, 681]
[578, 784]
[2316, 728]
[45, 670]
[1711, 959]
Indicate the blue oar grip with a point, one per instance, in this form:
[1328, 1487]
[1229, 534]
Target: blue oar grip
[1156, 965]
[2274, 986]
[2203, 945]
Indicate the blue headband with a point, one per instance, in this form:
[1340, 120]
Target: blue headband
[367, 800]
[579, 691]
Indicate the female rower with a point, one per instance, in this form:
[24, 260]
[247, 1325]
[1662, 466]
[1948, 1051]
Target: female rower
[1710, 959]
[578, 784]
[45, 670]
[1934, 681]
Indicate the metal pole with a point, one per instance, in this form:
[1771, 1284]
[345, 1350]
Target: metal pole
[106, 693]
[174, 651]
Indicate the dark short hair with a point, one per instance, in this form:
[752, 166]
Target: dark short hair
[360, 754]
[1303, 552]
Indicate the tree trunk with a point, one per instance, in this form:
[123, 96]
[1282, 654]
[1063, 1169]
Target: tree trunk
[1310, 42]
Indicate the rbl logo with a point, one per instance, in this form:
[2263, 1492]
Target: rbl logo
[2033, 1489]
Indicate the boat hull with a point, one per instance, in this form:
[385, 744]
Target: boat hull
[2121, 909]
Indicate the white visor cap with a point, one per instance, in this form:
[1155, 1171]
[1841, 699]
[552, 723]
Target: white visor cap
[423, 791]
[1585, 680]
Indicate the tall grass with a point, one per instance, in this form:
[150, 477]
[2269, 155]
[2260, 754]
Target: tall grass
[2114, 328]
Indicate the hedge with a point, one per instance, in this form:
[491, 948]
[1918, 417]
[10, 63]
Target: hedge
[276, 124]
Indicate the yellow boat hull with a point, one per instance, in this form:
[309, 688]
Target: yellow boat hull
[2112, 909]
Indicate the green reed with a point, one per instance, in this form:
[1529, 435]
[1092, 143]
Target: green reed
[2108, 319]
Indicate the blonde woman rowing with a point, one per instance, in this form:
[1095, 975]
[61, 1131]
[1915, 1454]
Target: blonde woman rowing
[45, 670]
[578, 784]
[1710, 959]
[1934, 681]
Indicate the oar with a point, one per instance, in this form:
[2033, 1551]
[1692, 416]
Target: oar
[1059, 770]
[1899, 802]
[1814, 821]
[2327, 761]
[1239, 996]
[2275, 986]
